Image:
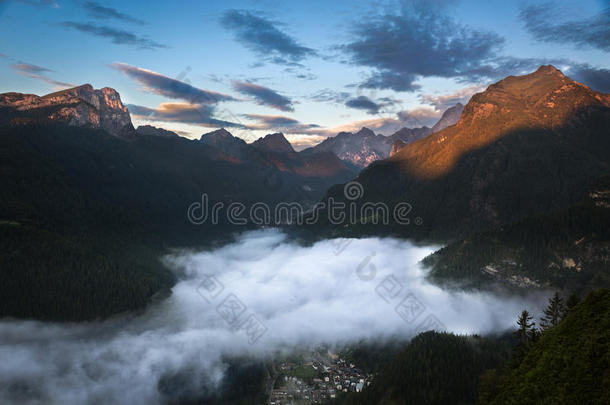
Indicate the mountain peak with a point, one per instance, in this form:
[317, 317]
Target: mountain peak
[549, 69]
[218, 134]
[544, 98]
[364, 131]
[276, 142]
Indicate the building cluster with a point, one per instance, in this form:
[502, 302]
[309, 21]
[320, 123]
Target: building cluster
[339, 376]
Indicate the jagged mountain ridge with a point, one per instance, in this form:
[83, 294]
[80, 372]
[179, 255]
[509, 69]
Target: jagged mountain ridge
[276, 152]
[81, 106]
[360, 148]
[275, 142]
[149, 130]
[86, 106]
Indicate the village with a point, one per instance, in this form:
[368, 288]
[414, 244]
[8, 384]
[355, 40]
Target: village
[317, 381]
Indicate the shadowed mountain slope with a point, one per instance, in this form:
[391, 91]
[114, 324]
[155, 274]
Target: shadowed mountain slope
[527, 145]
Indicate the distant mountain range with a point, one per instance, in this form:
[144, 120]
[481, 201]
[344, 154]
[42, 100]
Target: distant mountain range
[276, 152]
[84, 106]
[364, 147]
[527, 145]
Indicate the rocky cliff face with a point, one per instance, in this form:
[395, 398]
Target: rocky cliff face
[397, 146]
[360, 148]
[78, 106]
[274, 142]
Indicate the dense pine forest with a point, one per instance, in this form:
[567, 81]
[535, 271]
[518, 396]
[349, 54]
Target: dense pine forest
[563, 358]
[566, 249]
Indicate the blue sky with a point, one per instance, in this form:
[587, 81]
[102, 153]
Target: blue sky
[308, 69]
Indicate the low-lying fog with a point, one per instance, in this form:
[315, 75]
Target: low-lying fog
[255, 296]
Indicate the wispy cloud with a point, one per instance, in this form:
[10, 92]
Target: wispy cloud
[264, 95]
[547, 23]
[116, 36]
[279, 123]
[264, 38]
[39, 73]
[187, 113]
[419, 117]
[441, 102]
[330, 96]
[168, 87]
[29, 68]
[96, 10]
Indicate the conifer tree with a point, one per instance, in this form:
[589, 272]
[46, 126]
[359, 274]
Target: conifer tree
[553, 313]
[526, 334]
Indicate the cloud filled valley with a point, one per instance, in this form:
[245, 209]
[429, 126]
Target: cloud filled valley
[334, 291]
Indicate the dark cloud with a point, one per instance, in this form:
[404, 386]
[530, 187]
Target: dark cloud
[279, 123]
[363, 103]
[96, 10]
[418, 41]
[116, 36]
[38, 73]
[168, 87]
[380, 105]
[306, 76]
[264, 38]
[264, 95]
[596, 78]
[273, 120]
[181, 112]
[546, 23]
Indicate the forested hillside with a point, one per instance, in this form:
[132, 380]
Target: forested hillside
[563, 358]
[85, 216]
[567, 249]
[567, 364]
